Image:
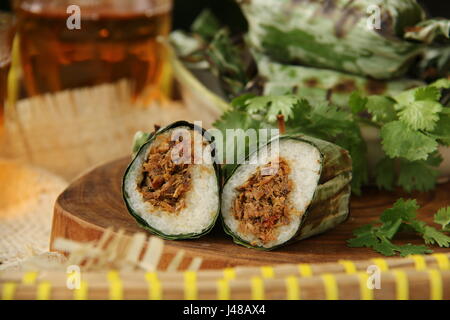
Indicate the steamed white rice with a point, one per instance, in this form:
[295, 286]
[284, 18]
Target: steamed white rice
[304, 161]
[202, 200]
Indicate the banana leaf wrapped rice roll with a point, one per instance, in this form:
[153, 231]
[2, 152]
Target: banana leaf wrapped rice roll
[280, 197]
[322, 84]
[171, 187]
[365, 37]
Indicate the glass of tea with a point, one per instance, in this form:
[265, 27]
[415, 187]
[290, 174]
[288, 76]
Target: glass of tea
[6, 36]
[68, 44]
[87, 72]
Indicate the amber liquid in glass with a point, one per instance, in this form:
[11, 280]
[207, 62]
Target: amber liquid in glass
[4, 69]
[107, 48]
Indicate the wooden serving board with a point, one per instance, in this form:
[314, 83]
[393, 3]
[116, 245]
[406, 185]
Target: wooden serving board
[94, 202]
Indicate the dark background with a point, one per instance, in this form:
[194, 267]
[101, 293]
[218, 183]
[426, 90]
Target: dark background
[186, 10]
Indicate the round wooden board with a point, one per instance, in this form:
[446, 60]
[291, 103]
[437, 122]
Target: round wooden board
[94, 202]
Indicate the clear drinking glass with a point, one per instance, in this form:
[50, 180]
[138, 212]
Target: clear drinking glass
[68, 44]
[89, 70]
[6, 37]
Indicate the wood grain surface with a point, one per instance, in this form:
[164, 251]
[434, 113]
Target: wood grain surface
[94, 202]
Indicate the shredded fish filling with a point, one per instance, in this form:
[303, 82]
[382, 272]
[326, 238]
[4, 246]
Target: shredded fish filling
[262, 204]
[165, 183]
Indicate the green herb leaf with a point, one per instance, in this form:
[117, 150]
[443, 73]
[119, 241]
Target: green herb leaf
[409, 249]
[405, 98]
[301, 112]
[417, 175]
[401, 217]
[381, 108]
[430, 235]
[239, 103]
[385, 174]
[427, 93]
[385, 247]
[367, 239]
[357, 102]
[401, 141]
[389, 228]
[401, 210]
[442, 217]
[273, 106]
[421, 115]
[358, 151]
[234, 119]
[376, 239]
[324, 115]
[442, 83]
[442, 130]
[433, 236]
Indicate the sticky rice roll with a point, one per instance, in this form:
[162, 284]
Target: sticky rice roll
[167, 190]
[265, 208]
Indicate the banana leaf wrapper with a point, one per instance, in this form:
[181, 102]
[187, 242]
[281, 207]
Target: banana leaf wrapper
[276, 78]
[322, 84]
[430, 31]
[329, 205]
[335, 34]
[142, 142]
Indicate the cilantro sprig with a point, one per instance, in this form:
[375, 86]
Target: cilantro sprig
[400, 218]
[321, 121]
[442, 217]
[412, 126]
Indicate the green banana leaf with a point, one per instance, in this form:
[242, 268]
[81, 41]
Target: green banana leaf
[144, 140]
[235, 68]
[322, 84]
[227, 63]
[430, 31]
[337, 34]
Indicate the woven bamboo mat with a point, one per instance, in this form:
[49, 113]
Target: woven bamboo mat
[118, 268]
